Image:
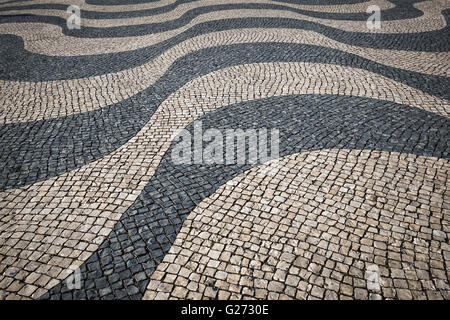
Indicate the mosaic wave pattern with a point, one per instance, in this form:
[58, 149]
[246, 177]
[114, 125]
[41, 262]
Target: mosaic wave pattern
[94, 206]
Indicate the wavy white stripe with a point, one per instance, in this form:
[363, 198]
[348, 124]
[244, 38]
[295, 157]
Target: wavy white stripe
[30, 101]
[49, 40]
[221, 222]
[338, 8]
[104, 189]
[105, 8]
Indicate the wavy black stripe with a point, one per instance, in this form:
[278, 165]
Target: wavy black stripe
[309, 2]
[401, 11]
[121, 267]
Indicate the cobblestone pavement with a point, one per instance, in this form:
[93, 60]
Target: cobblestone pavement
[95, 205]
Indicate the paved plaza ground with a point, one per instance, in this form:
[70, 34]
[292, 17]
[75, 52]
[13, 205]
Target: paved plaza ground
[118, 180]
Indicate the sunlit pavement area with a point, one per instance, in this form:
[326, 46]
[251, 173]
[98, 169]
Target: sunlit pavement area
[352, 97]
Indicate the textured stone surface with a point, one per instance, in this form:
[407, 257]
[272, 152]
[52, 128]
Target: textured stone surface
[313, 226]
[89, 189]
